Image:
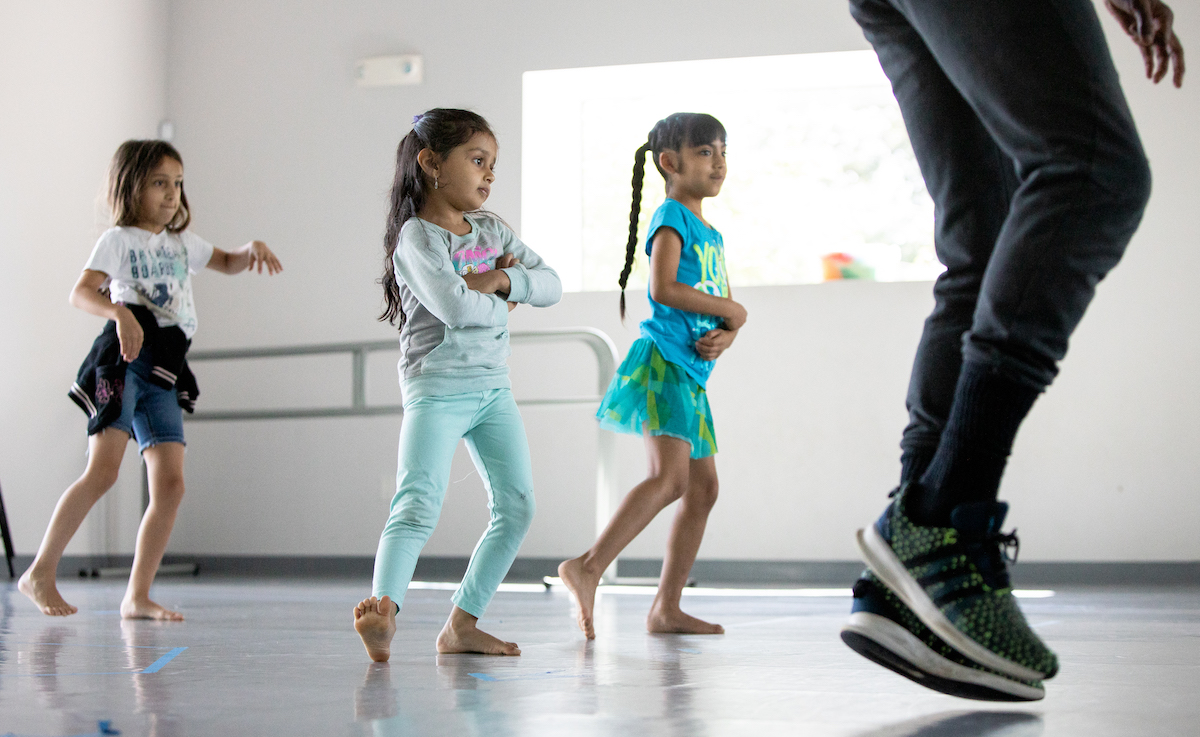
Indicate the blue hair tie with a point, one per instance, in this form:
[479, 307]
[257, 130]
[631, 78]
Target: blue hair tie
[417, 118]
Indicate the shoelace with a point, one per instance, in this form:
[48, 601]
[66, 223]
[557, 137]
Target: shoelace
[996, 550]
[1008, 542]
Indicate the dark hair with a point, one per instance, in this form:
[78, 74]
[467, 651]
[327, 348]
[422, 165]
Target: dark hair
[131, 166]
[440, 130]
[672, 133]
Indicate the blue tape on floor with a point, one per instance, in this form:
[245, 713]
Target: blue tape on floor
[483, 676]
[157, 665]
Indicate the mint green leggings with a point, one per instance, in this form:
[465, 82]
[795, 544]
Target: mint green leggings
[495, 436]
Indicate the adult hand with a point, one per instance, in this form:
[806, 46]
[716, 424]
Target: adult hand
[714, 343]
[129, 335]
[1150, 23]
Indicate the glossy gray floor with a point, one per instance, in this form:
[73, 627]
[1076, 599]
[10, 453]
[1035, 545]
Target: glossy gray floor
[280, 657]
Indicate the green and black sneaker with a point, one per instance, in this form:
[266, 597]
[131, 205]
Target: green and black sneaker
[885, 631]
[954, 579]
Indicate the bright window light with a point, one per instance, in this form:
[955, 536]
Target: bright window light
[822, 180]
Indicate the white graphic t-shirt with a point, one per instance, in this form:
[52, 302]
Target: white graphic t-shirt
[152, 270]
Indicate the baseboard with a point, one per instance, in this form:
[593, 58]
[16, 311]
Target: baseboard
[705, 572]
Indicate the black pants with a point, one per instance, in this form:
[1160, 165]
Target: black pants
[1036, 171]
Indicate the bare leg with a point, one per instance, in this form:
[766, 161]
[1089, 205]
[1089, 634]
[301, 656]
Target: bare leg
[375, 622]
[686, 533]
[105, 451]
[164, 468]
[666, 481]
[460, 635]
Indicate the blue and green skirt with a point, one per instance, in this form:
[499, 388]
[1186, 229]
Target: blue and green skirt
[651, 395]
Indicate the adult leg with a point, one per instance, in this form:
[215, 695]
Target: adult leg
[971, 182]
[1040, 77]
[106, 449]
[500, 450]
[164, 470]
[668, 461]
[429, 434]
[687, 531]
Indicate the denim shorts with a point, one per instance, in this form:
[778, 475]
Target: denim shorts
[149, 413]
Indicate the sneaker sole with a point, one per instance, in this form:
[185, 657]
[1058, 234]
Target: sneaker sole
[879, 558]
[886, 643]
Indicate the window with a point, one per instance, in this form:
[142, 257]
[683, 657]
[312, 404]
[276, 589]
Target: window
[822, 179]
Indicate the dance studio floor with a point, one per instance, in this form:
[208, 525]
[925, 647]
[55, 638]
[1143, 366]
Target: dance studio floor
[279, 657]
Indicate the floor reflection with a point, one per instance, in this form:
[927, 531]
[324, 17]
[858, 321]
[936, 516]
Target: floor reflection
[144, 644]
[442, 699]
[43, 663]
[963, 723]
[6, 630]
[671, 655]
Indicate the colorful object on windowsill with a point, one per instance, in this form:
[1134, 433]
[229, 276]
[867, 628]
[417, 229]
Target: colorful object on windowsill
[844, 266]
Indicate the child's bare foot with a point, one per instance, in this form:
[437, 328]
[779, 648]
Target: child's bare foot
[675, 622]
[461, 635]
[43, 592]
[375, 622]
[147, 609]
[582, 585]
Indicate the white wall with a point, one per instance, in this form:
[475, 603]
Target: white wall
[279, 144]
[76, 79]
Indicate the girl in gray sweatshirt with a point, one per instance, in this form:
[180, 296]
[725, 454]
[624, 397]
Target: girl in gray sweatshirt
[451, 276]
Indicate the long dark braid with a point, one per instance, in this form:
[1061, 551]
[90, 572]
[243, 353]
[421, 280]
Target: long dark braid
[671, 133]
[440, 130]
[639, 175]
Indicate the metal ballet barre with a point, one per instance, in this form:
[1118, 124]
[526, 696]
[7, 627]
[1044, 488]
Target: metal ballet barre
[602, 347]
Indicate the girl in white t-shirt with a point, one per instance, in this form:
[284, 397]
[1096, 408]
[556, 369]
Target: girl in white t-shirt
[133, 382]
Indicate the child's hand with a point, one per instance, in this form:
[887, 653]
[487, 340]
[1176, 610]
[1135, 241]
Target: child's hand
[736, 320]
[130, 335]
[714, 343]
[489, 282]
[261, 256]
[512, 306]
[507, 260]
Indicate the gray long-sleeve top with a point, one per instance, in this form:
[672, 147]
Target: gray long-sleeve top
[455, 340]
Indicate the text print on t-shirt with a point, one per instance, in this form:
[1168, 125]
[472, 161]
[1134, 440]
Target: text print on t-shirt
[713, 280]
[161, 262]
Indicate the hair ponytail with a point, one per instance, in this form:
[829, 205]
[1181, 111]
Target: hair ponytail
[671, 133]
[439, 130]
[639, 176]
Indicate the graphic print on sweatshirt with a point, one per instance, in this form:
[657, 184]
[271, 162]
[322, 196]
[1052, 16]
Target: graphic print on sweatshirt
[476, 259]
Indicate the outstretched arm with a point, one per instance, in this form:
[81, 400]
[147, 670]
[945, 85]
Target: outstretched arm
[254, 253]
[665, 251]
[1150, 23]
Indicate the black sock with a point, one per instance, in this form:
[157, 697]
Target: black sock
[988, 408]
[913, 463]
